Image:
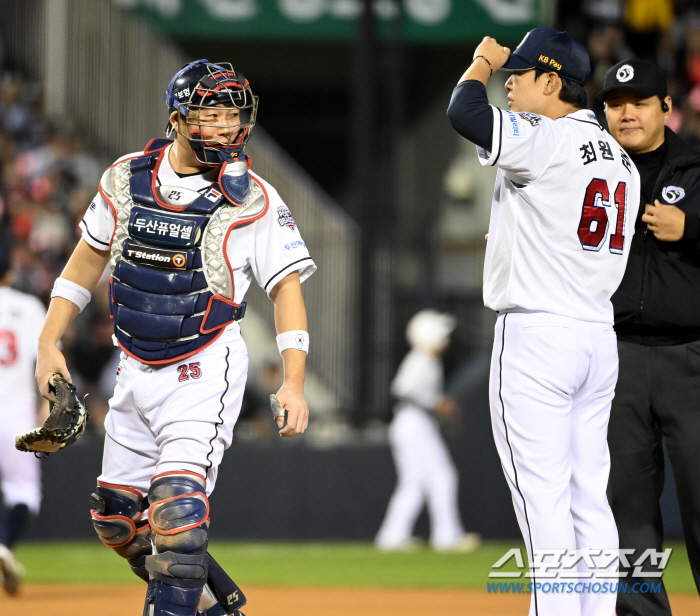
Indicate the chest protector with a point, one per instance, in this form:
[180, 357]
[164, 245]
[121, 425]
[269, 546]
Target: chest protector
[172, 288]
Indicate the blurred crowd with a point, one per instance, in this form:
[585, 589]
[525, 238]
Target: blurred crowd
[48, 177]
[666, 32]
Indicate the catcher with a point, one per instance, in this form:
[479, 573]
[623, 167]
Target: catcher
[184, 227]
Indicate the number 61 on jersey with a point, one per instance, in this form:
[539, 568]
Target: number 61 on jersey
[593, 228]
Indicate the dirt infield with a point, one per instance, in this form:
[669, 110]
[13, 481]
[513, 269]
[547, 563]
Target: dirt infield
[126, 600]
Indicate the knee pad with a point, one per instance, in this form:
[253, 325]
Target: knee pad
[179, 513]
[116, 516]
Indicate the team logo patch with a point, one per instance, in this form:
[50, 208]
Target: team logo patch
[624, 73]
[533, 118]
[167, 259]
[672, 194]
[285, 219]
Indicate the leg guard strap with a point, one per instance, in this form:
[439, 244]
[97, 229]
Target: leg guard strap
[184, 570]
[163, 600]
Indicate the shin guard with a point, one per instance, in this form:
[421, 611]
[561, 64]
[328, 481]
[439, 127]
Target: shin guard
[178, 516]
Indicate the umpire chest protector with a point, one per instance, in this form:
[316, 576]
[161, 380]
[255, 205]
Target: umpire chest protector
[172, 288]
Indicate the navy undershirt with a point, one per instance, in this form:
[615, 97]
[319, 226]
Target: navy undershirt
[470, 113]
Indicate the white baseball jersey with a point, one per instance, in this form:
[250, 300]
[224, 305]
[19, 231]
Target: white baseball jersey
[269, 248]
[21, 318]
[419, 380]
[562, 219]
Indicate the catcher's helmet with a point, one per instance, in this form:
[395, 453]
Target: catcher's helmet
[204, 84]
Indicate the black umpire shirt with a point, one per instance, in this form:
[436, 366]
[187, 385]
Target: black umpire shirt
[658, 300]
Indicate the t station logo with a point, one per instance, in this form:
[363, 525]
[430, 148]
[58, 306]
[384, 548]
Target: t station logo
[168, 259]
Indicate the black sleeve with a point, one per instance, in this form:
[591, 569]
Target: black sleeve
[470, 113]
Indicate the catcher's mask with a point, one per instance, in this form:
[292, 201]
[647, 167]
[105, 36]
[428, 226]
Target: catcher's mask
[202, 84]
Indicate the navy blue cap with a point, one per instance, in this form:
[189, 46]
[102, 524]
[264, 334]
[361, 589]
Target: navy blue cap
[552, 51]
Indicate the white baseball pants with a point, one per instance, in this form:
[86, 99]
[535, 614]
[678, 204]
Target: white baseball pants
[177, 417]
[426, 474]
[19, 471]
[552, 383]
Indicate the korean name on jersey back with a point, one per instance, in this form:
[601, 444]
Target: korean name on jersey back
[159, 257]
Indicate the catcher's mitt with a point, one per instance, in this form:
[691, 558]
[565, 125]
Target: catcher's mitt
[65, 424]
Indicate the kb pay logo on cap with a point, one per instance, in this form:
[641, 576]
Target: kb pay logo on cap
[624, 73]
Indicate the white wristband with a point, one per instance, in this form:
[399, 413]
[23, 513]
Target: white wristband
[295, 339]
[72, 291]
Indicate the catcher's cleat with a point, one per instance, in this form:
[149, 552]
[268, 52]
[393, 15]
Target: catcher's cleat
[10, 569]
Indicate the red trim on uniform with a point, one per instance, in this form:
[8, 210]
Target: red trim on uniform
[115, 486]
[114, 212]
[238, 223]
[154, 177]
[123, 160]
[183, 472]
[172, 360]
[111, 295]
[181, 529]
[206, 313]
[97, 516]
[147, 149]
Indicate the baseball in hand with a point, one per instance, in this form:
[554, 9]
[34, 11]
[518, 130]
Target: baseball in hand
[496, 54]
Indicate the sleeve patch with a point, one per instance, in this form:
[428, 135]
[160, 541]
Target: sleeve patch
[293, 246]
[533, 118]
[285, 218]
[512, 125]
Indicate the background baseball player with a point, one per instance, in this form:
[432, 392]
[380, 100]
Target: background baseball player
[20, 317]
[426, 473]
[184, 227]
[562, 219]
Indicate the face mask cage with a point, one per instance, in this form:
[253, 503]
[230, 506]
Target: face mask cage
[220, 91]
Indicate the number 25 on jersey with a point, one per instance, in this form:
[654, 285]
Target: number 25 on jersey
[593, 228]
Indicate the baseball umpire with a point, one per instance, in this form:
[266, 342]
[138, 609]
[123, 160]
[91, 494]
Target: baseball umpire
[657, 320]
[562, 219]
[184, 226]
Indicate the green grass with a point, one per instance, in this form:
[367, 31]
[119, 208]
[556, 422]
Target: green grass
[305, 564]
